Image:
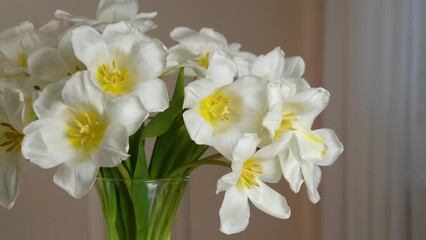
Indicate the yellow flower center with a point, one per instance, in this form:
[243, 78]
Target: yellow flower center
[113, 80]
[22, 60]
[286, 124]
[215, 108]
[204, 60]
[10, 139]
[251, 170]
[86, 131]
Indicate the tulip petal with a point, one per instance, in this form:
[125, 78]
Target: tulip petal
[312, 176]
[153, 94]
[234, 212]
[222, 69]
[149, 58]
[291, 169]
[334, 147]
[198, 129]
[76, 178]
[49, 103]
[269, 66]
[294, 67]
[269, 201]
[245, 147]
[113, 148]
[10, 178]
[114, 11]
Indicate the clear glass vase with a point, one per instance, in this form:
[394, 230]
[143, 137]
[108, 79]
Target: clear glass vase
[141, 209]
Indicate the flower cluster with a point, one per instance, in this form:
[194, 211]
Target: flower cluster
[80, 102]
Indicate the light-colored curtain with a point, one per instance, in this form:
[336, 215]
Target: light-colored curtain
[375, 66]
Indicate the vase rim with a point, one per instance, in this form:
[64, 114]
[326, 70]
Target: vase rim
[177, 179]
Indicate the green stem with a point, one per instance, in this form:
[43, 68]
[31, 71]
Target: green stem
[210, 160]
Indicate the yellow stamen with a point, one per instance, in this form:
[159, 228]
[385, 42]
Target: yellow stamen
[215, 108]
[114, 80]
[10, 138]
[204, 60]
[249, 174]
[286, 124]
[85, 131]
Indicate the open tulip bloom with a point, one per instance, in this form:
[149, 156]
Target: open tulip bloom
[85, 103]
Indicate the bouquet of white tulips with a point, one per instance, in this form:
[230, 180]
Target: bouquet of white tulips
[87, 101]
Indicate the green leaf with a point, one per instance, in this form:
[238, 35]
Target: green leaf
[163, 120]
[180, 84]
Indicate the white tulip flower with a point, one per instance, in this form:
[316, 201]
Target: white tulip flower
[220, 109]
[15, 113]
[195, 49]
[250, 169]
[80, 131]
[123, 63]
[113, 11]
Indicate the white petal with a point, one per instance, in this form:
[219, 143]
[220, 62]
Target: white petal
[149, 58]
[271, 170]
[47, 64]
[90, 48]
[14, 108]
[269, 201]
[46, 144]
[128, 111]
[310, 146]
[245, 147]
[312, 176]
[120, 38]
[214, 36]
[198, 129]
[270, 66]
[49, 103]
[114, 147]
[68, 17]
[76, 178]
[222, 69]
[294, 67]
[291, 168]
[196, 91]
[80, 90]
[234, 212]
[188, 37]
[334, 147]
[242, 66]
[111, 11]
[153, 94]
[226, 182]
[179, 54]
[224, 142]
[10, 177]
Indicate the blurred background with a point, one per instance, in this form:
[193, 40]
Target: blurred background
[370, 55]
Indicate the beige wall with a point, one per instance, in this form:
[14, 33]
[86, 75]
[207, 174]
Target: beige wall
[44, 211]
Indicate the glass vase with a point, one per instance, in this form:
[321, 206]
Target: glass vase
[140, 209]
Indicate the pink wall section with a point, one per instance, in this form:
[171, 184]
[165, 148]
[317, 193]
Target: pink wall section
[44, 211]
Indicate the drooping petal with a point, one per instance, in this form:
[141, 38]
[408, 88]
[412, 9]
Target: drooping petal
[127, 111]
[153, 94]
[291, 169]
[46, 144]
[76, 178]
[334, 147]
[222, 69]
[312, 176]
[90, 48]
[234, 212]
[269, 201]
[10, 177]
[269, 66]
[80, 90]
[112, 11]
[294, 67]
[113, 148]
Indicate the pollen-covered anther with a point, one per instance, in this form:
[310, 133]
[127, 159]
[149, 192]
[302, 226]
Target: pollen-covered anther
[112, 75]
[249, 174]
[287, 124]
[9, 137]
[219, 108]
[86, 130]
